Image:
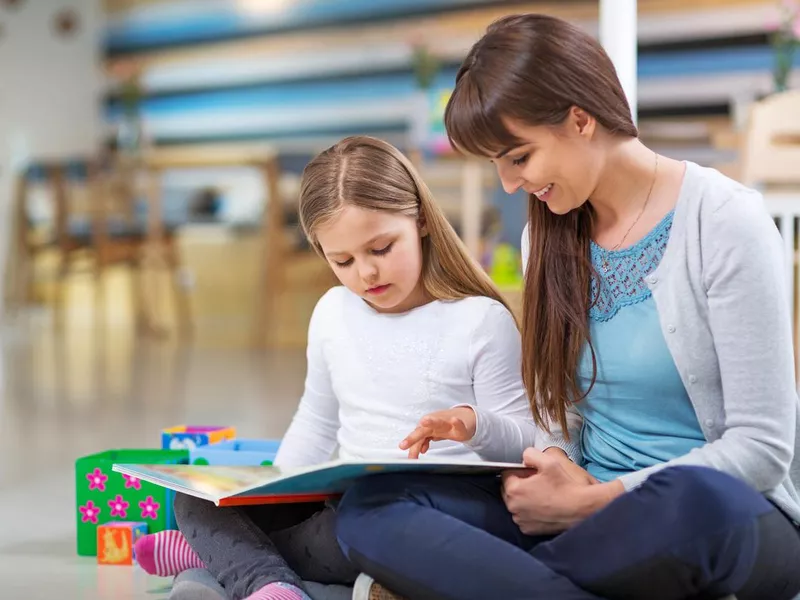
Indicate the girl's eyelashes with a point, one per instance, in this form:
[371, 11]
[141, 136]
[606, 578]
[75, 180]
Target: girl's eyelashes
[384, 250]
[379, 252]
[520, 160]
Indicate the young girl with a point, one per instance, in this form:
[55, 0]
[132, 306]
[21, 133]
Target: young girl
[416, 328]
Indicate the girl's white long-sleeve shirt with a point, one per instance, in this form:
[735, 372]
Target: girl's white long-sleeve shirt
[372, 376]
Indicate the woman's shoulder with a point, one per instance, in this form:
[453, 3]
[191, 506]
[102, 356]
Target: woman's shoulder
[728, 212]
[717, 197]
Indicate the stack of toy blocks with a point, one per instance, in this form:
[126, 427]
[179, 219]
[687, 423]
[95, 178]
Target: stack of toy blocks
[113, 510]
[103, 495]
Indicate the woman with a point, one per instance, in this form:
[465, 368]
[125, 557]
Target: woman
[655, 309]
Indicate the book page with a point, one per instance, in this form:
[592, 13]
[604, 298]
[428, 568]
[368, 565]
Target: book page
[211, 483]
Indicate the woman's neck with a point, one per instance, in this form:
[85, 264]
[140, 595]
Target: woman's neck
[626, 179]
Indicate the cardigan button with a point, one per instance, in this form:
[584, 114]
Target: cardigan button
[709, 422]
[652, 279]
[692, 379]
[671, 328]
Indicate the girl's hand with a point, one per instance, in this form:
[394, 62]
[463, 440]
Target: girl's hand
[457, 424]
[548, 499]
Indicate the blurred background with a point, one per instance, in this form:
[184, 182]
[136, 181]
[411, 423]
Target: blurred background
[154, 272]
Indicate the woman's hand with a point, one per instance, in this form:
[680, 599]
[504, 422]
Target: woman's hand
[578, 473]
[548, 498]
[457, 424]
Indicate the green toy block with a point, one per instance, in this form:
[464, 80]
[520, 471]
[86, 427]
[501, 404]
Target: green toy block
[103, 495]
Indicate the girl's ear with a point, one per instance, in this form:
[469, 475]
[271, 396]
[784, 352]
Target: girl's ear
[422, 224]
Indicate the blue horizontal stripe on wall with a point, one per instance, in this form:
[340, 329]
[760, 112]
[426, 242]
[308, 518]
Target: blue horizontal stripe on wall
[714, 61]
[368, 88]
[308, 93]
[208, 85]
[148, 30]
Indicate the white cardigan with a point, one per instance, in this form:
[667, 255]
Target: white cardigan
[719, 290]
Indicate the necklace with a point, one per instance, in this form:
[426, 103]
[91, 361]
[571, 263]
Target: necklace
[641, 212]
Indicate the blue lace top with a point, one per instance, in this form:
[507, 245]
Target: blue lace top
[622, 272]
[638, 412]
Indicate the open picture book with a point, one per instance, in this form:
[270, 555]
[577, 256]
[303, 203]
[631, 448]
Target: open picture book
[238, 485]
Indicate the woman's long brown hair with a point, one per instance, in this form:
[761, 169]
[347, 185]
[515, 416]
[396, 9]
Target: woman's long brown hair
[533, 69]
[372, 174]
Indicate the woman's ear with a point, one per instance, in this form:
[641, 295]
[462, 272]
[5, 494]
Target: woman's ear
[584, 123]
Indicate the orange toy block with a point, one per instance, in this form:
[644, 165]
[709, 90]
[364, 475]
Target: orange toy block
[115, 542]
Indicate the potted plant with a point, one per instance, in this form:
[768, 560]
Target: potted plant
[425, 66]
[129, 131]
[785, 39]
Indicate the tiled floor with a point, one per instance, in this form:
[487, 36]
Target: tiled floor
[91, 390]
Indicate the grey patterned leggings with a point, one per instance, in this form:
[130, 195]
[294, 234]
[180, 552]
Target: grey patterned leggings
[246, 548]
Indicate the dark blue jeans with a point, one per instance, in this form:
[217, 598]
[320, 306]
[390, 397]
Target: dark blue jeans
[686, 533]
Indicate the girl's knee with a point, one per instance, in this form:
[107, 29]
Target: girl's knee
[187, 507]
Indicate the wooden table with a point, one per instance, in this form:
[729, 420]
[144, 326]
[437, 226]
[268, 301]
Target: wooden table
[262, 157]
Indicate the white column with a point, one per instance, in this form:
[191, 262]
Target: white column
[618, 36]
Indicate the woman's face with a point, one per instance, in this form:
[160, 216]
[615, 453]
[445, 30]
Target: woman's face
[559, 164]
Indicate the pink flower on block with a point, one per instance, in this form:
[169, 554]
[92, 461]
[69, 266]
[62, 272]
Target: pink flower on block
[132, 482]
[119, 508]
[97, 480]
[149, 508]
[90, 512]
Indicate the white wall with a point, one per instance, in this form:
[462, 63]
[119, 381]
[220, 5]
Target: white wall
[50, 90]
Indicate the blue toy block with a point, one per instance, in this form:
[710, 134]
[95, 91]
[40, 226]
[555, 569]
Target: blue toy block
[186, 437]
[236, 452]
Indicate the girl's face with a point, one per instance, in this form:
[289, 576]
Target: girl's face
[558, 164]
[377, 255]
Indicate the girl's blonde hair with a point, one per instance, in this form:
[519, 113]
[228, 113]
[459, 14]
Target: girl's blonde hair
[372, 174]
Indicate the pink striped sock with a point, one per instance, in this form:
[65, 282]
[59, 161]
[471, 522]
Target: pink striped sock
[166, 553]
[279, 591]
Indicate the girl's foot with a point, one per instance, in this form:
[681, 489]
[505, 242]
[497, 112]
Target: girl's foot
[166, 553]
[279, 591]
